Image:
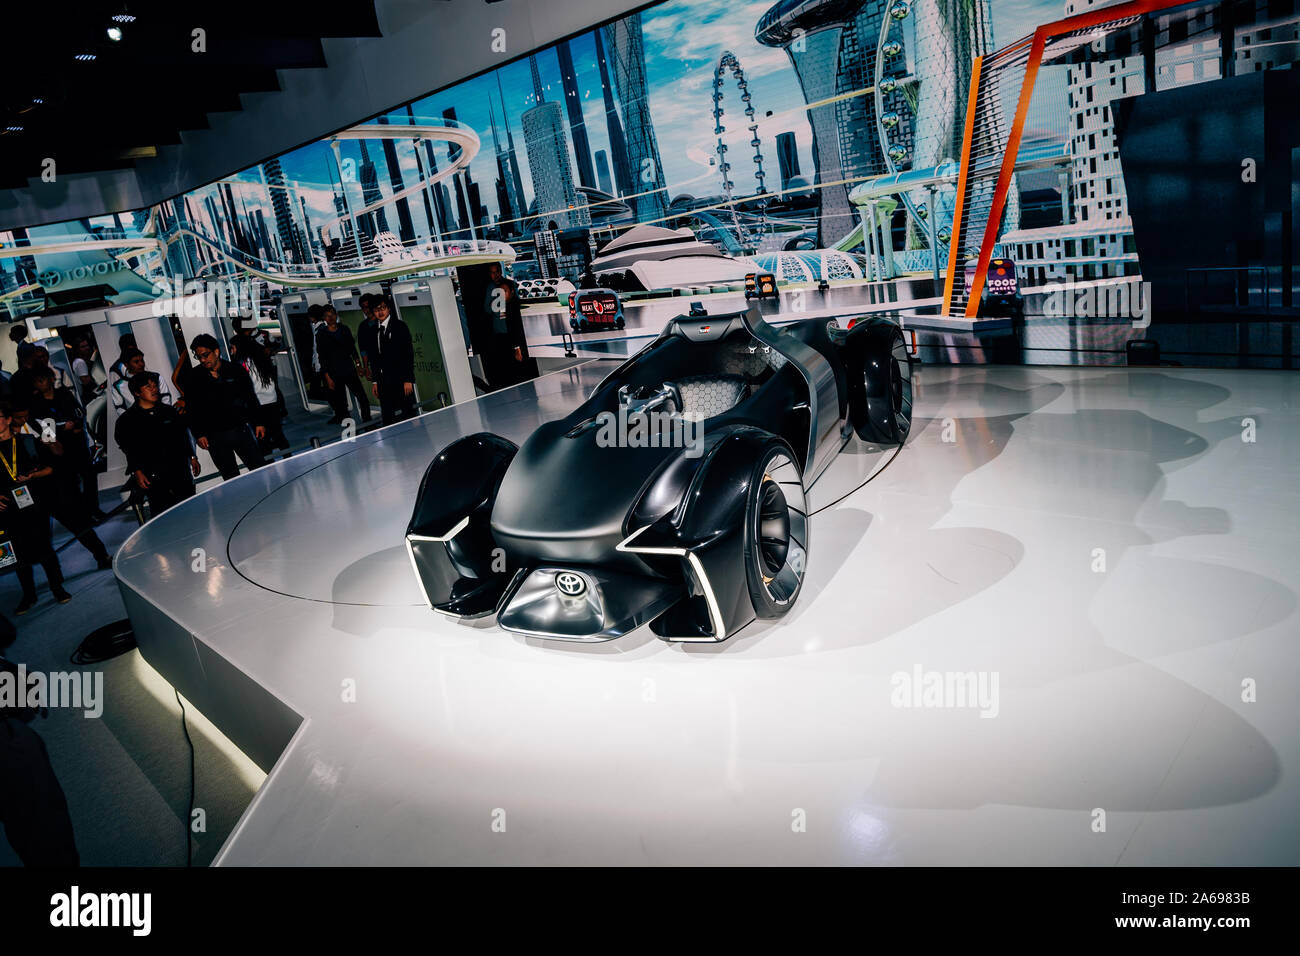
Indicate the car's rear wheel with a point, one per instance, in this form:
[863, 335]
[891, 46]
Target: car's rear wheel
[885, 412]
[776, 533]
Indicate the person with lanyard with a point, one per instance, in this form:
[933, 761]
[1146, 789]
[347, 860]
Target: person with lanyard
[23, 516]
[157, 446]
[395, 379]
[64, 502]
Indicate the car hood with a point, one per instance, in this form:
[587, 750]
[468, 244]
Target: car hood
[565, 497]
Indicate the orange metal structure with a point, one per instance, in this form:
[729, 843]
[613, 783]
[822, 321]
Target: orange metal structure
[1041, 37]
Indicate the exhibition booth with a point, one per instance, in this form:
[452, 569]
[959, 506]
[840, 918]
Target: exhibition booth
[866, 481]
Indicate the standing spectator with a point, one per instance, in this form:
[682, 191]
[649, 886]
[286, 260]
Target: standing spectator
[395, 369]
[366, 341]
[157, 446]
[76, 461]
[316, 315]
[339, 358]
[41, 356]
[23, 513]
[132, 364]
[18, 335]
[118, 370]
[20, 382]
[249, 354]
[33, 808]
[83, 351]
[64, 503]
[507, 361]
[221, 407]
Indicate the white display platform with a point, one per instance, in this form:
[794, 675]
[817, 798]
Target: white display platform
[1100, 540]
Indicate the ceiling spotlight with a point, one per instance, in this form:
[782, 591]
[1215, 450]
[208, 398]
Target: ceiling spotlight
[123, 18]
[115, 34]
[37, 100]
[14, 129]
[86, 56]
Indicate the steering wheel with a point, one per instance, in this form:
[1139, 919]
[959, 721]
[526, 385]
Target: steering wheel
[645, 399]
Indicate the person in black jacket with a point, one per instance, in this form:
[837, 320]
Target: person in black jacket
[505, 355]
[366, 333]
[76, 465]
[338, 356]
[64, 501]
[24, 515]
[222, 410]
[395, 372]
[33, 808]
[157, 446]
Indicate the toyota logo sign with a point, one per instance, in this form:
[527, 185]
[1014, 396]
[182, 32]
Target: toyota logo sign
[566, 582]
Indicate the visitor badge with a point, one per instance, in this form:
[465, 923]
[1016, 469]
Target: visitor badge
[22, 497]
[7, 556]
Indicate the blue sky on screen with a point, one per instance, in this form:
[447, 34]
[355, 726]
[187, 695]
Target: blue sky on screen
[683, 41]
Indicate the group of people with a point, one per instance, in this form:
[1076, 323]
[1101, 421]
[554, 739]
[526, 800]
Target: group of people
[382, 352]
[231, 408]
[47, 472]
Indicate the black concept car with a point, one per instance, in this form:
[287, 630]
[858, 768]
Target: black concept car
[674, 496]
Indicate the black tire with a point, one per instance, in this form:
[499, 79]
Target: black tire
[776, 532]
[883, 412]
[619, 323]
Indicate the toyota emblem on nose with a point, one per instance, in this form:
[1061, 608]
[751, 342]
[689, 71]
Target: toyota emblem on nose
[566, 582]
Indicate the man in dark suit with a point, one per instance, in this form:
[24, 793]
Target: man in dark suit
[505, 355]
[395, 371]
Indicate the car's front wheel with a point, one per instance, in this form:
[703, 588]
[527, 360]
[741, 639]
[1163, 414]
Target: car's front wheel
[776, 533]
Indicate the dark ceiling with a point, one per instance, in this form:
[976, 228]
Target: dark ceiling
[142, 91]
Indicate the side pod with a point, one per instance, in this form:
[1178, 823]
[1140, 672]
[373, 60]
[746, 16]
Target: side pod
[449, 537]
[707, 534]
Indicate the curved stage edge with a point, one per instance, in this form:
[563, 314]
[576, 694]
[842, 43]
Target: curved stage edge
[283, 606]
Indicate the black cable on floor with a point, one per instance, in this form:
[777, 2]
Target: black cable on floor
[189, 813]
[105, 643]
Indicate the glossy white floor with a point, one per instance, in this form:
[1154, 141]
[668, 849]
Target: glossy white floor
[1101, 543]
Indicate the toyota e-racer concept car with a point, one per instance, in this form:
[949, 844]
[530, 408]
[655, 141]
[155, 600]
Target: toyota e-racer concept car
[674, 496]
